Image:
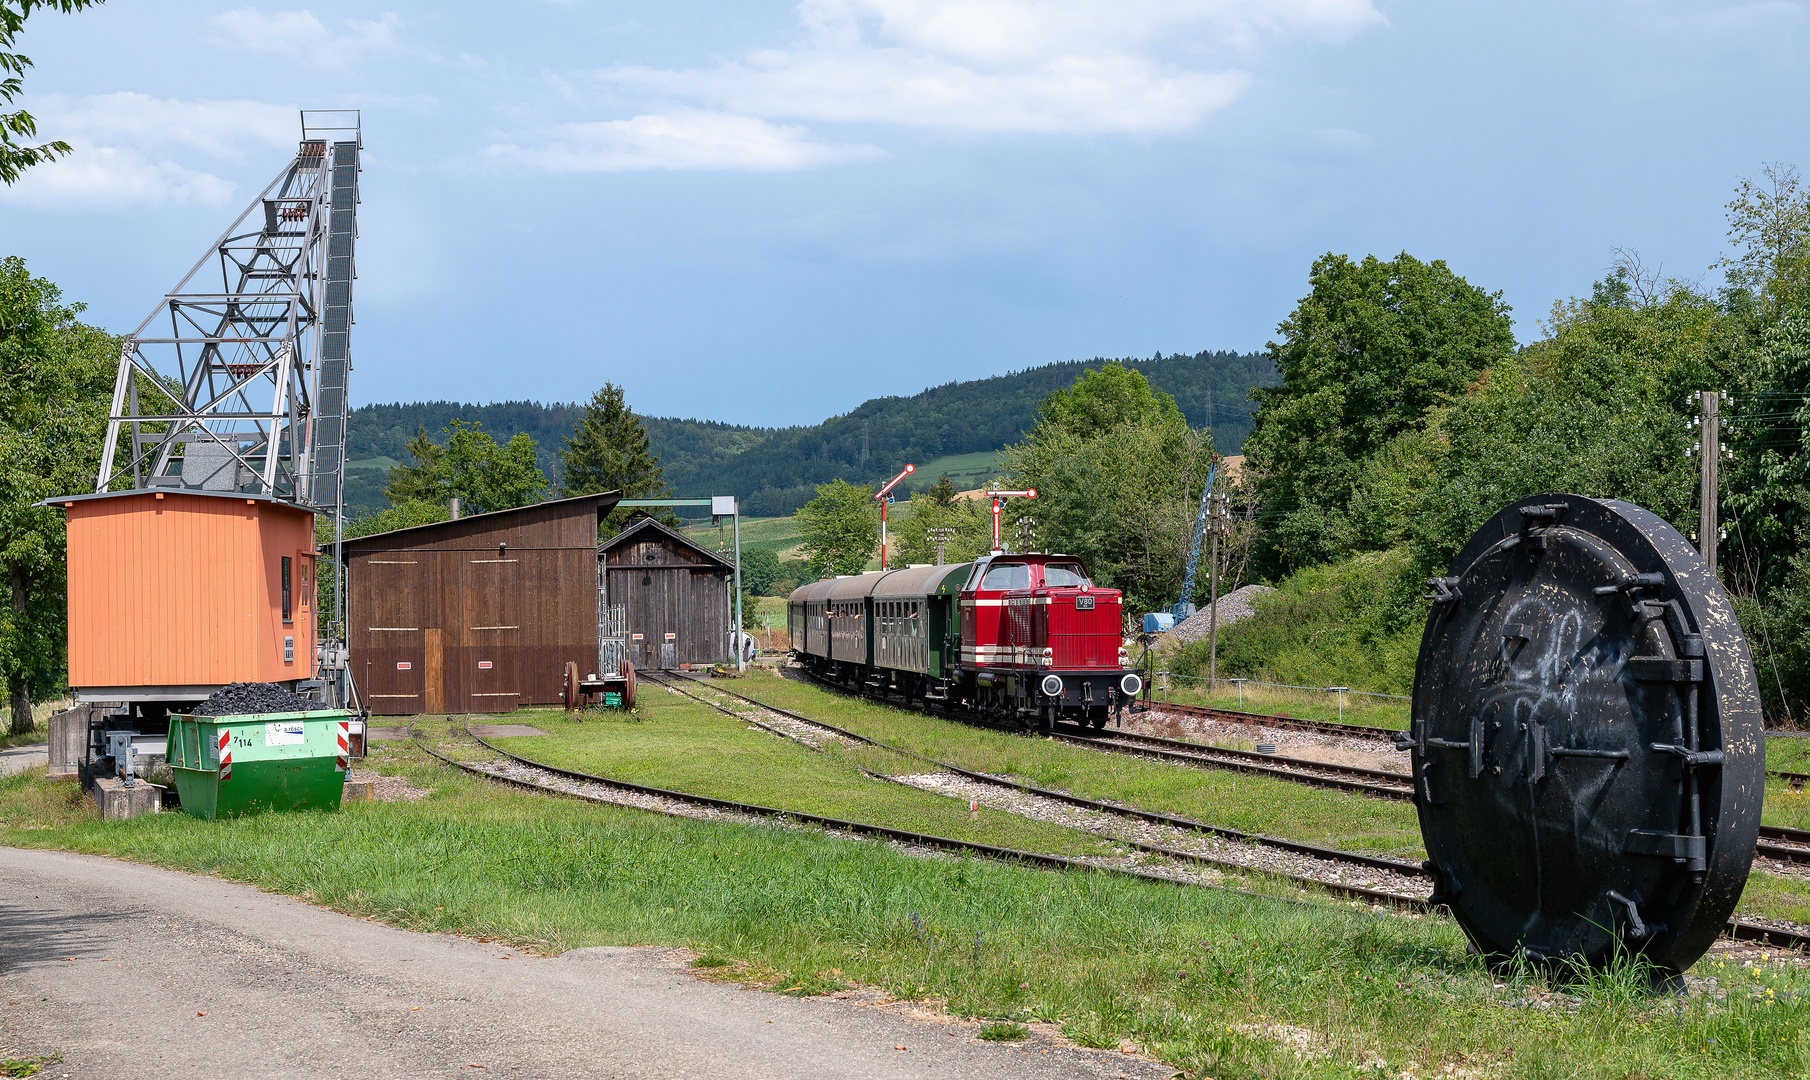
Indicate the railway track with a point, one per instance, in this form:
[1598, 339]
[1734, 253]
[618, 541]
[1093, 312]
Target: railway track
[1735, 929]
[941, 843]
[1776, 842]
[1385, 785]
[1351, 778]
[1289, 723]
[1333, 856]
[1797, 780]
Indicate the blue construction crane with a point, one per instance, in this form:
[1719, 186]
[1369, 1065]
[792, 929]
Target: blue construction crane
[1158, 621]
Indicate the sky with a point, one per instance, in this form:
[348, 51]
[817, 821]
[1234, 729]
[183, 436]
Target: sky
[766, 213]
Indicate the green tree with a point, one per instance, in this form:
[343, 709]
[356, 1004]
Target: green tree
[470, 466]
[608, 450]
[839, 529]
[969, 521]
[1364, 355]
[17, 156]
[760, 569]
[1118, 475]
[56, 385]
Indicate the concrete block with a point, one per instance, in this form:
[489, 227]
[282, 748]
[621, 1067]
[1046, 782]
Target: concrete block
[358, 791]
[68, 741]
[118, 802]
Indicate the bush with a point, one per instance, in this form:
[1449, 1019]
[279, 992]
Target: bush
[1356, 622]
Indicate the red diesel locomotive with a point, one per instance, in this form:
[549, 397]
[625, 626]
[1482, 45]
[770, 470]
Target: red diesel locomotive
[1026, 637]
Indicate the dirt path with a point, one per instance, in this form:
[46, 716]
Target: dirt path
[121, 967]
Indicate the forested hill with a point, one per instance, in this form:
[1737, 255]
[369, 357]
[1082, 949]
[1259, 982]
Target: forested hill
[774, 470]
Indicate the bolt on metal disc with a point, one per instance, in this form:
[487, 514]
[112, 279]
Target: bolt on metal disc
[1587, 740]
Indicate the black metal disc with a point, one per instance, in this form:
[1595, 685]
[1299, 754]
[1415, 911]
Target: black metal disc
[1587, 741]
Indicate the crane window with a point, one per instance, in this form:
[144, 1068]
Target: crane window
[287, 615]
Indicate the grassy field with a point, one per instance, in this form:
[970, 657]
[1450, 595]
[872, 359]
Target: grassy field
[777, 534]
[1217, 983]
[40, 724]
[674, 742]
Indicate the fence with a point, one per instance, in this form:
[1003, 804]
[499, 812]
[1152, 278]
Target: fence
[1164, 677]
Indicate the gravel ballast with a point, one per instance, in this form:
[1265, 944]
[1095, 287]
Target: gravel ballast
[1234, 606]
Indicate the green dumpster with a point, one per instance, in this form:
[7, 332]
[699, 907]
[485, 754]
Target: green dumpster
[261, 761]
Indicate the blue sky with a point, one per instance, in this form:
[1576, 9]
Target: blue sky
[767, 213]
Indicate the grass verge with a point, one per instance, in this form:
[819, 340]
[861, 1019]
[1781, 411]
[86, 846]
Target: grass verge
[1218, 983]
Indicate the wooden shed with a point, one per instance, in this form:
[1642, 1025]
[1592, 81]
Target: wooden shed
[676, 595]
[174, 594]
[480, 614]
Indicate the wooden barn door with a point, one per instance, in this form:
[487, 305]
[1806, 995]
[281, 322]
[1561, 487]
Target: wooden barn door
[435, 677]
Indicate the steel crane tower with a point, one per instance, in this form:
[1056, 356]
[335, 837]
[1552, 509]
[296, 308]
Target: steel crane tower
[236, 380]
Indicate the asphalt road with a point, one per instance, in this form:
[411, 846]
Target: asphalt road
[20, 758]
[129, 970]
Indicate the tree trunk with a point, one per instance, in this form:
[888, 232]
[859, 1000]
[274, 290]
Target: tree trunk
[19, 694]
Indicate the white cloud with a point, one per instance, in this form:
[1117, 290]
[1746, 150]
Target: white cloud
[129, 149]
[1045, 67]
[679, 140]
[115, 177]
[299, 36]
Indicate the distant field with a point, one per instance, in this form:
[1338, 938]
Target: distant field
[776, 534]
[965, 470]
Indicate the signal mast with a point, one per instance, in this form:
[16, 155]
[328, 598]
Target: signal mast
[999, 502]
[881, 496]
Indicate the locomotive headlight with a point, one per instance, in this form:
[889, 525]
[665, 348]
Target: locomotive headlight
[1052, 685]
[1130, 685]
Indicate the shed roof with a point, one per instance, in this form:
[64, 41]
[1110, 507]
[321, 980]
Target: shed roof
[637, 528]
[440, 533]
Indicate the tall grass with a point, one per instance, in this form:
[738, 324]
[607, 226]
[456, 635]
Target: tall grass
[1355, 622]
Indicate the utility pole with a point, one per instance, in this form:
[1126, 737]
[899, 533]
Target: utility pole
[1709, 453]
[941, 536]
[1215, 524]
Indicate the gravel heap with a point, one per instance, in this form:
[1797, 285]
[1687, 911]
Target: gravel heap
[242, 698]
[1233, 606]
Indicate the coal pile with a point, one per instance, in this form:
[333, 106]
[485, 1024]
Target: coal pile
[242, 698]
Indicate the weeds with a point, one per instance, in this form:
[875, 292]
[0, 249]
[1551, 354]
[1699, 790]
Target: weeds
[1006, 1032]
[11, 1067]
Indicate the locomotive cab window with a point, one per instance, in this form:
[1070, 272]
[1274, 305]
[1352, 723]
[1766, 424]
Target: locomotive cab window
[1064, 575]
[1015, 575]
